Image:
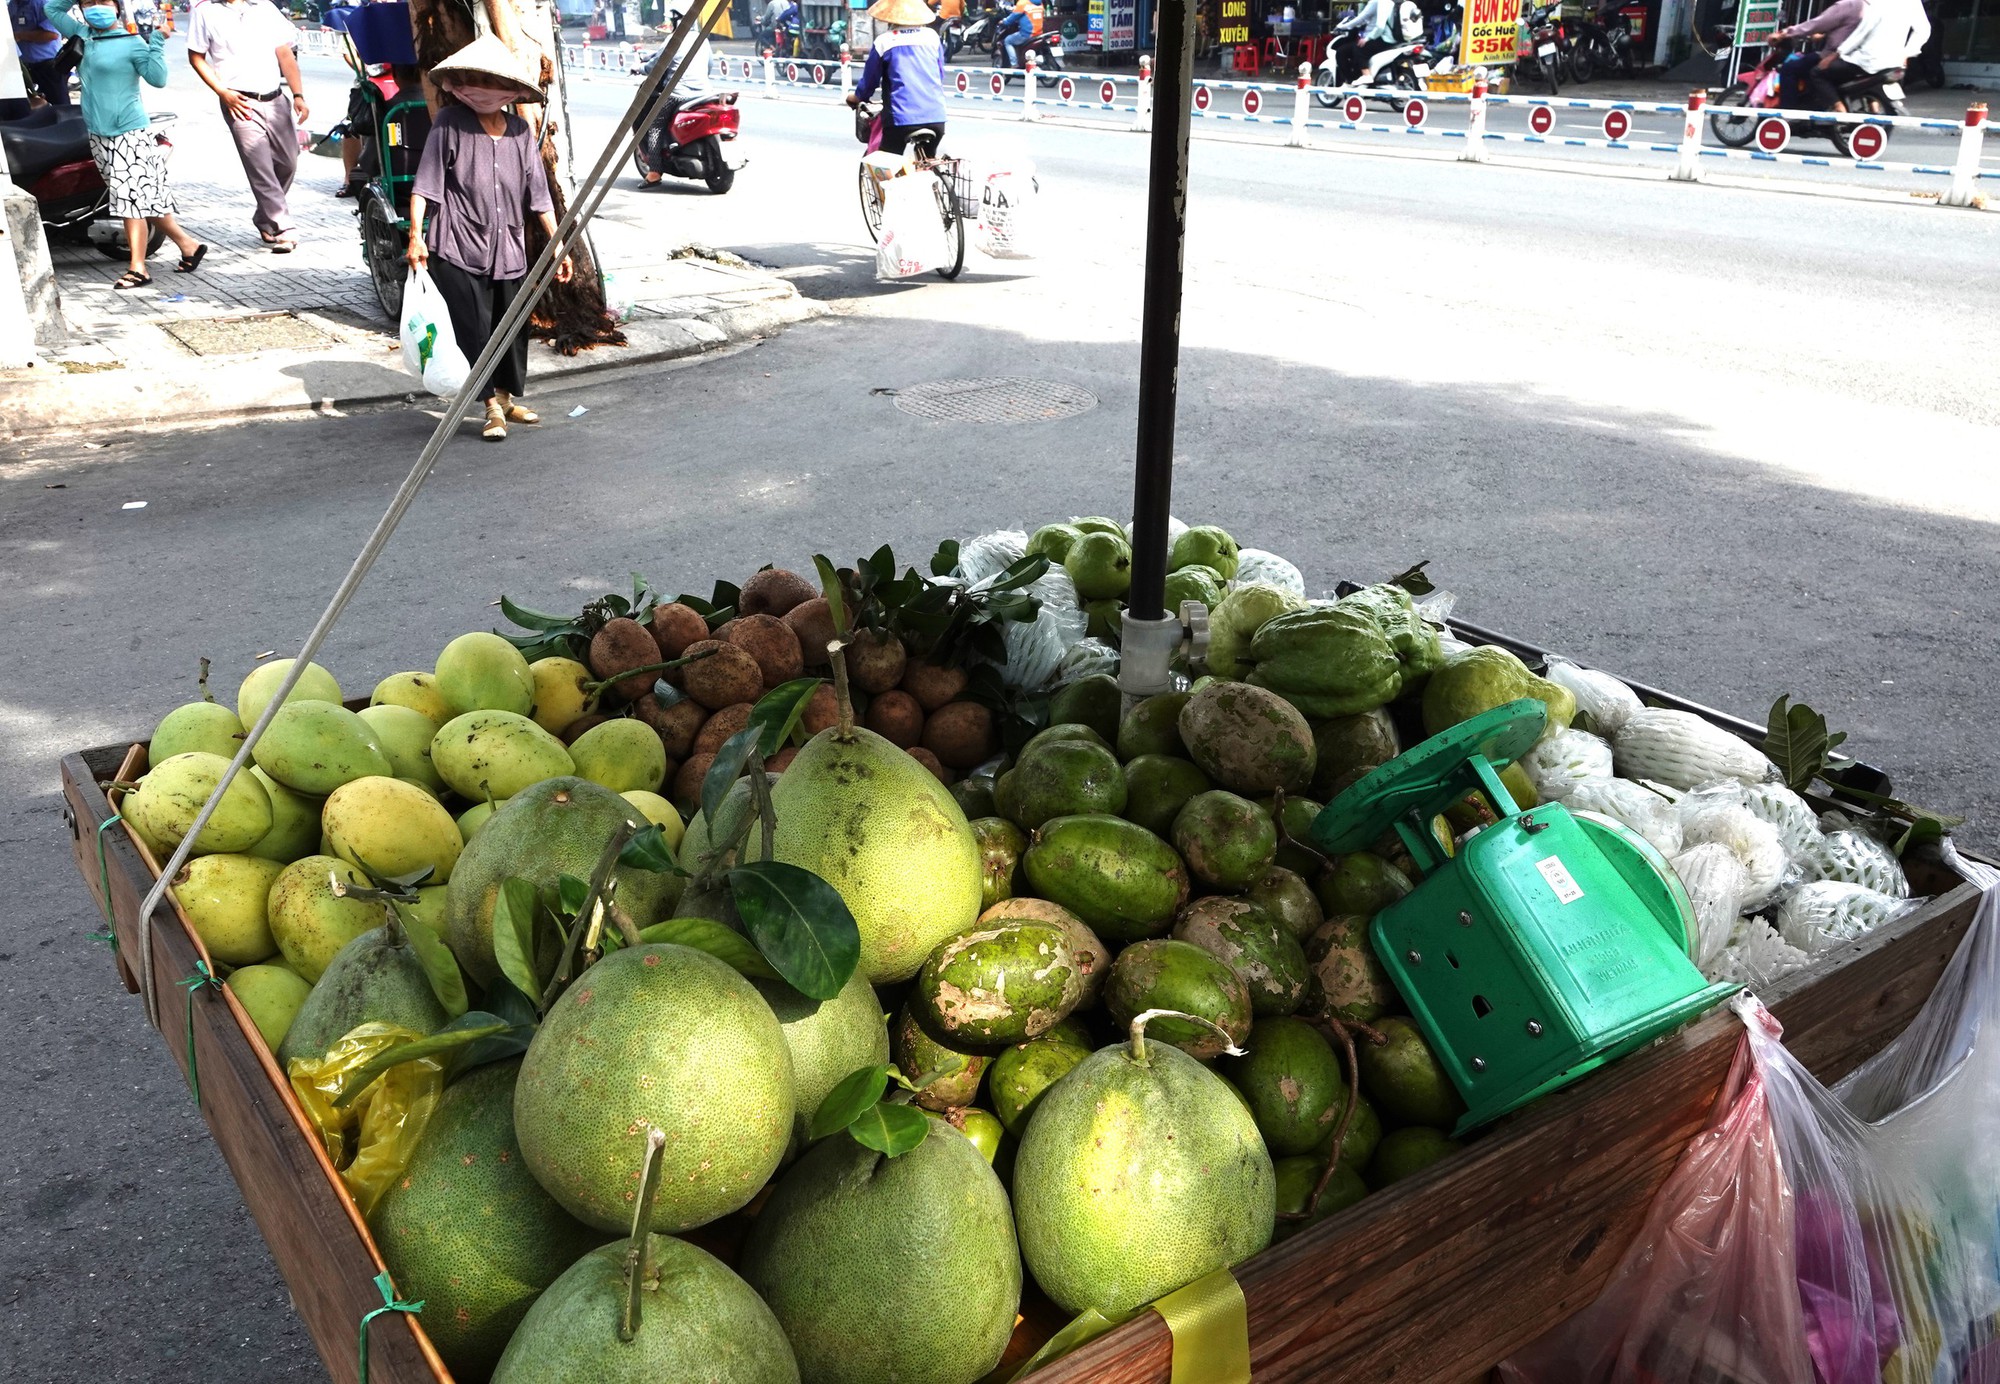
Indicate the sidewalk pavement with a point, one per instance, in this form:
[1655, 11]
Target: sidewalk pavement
[252, 332]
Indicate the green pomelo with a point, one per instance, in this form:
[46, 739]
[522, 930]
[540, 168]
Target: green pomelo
[1297, 1176]
[171, 796]
[697, 1321]
[1092, 701]
[1024, 1072]
[255, 691]
[1100, 566]
[1164, 974]
[271, 996]
[417, 691]
[1157, 787]
[314, 747]
[309, 922]
[1001, 846]
[1405, 1080]
[1228, 842]
[946, 1077]
[294, 831]
[1062, 778]
[227, 898]
[1138, 1174]
[497, 754]
[656, 1037]
[1286, 896]
[1349, 746]
[375, 979]
[1352, 983]
[997, 985]
[405, 736]
[1293, 1083]
[623, 755]
[1406, 1152]
[1249, 740]
[827, 1039]
[1207, 546]
[558, 827]
[879, 1269]
[209, 727]
[391, 829]
[876, 825]
[1118, 877]
[468, 1230]
[1254, 945]
[1153, 726]
[483, 672]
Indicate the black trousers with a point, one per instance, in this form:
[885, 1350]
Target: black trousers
[896, 138]
[476, 304]
[50, 78]
[1825, 82]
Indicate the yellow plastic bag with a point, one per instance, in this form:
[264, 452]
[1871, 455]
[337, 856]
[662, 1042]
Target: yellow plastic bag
[370, 1139]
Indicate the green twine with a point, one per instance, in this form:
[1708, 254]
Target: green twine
[202, 976]
[110, 934]
[390, 1303]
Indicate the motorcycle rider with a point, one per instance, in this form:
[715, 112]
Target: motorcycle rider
[1380, 25]
[1017, 28]
[1858, 38]
[1822, 78]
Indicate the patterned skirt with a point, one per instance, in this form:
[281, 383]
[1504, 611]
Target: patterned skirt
[134, 168]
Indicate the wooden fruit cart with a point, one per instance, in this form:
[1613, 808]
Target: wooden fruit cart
[1431, 1282]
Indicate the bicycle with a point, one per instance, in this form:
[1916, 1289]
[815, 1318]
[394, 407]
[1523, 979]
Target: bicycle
[948, 183]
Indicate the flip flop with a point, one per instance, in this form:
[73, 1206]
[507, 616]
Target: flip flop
[190, 263]
[132, 278]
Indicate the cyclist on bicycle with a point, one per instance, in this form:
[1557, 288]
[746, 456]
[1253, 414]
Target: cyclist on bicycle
[907, 62]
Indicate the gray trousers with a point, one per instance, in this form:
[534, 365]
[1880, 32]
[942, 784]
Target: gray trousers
[268, 145]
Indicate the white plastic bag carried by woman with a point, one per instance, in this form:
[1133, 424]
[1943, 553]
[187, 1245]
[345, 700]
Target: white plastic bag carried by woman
[430, 351]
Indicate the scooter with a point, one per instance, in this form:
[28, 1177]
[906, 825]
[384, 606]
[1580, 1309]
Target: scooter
[1603, 46]
[975, 33]
[1047, 46]
[48, 153]
[1542, 50]
[685, 140]
[1767, 86]
[1400, 67]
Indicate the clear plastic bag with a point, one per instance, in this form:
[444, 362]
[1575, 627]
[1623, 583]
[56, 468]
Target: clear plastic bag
[1599, 696]
[1821, 915]
[1633, 804]
[1085, 658]
[1254, 564]
[1853, 857]
[990, 554]
[1717, 815]
[1756, 956]
[1792, 815]
[1558, 764]
[1706, 1291]
[1716, 884]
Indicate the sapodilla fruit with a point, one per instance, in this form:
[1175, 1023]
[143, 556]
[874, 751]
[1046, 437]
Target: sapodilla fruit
[678, 722]
[774, 591]
[876, 661]
[617, 649]
[725, 676]
[812, 622]
[772, 643]
[673, 628]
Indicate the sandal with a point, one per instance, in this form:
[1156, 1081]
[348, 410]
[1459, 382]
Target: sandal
[132, 278]
[190, 263]
[280, 245]
[496, 421]
[515, 411]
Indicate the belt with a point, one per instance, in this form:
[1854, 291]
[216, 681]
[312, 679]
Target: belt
[270, 95]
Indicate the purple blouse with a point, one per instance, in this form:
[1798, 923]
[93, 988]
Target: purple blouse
[479, 189]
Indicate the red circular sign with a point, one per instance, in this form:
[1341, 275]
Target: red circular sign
[791, 72]
[746, 69]
[1107, 93]
[999, 84]
[1414, 113]
[963, 83]
[1867, 141]
[1773, 135]
[819, 74]
[1066, 88]
[1354, 109]
[1252, 103]
[1202, 98]
[1617, 124]
[1541, 119]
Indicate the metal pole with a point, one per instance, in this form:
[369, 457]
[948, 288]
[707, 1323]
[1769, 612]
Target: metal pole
[1160, 320]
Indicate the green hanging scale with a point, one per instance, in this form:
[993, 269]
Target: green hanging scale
[1550, 944]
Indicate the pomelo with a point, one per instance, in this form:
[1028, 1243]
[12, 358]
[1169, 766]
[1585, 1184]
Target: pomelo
[827, 1039]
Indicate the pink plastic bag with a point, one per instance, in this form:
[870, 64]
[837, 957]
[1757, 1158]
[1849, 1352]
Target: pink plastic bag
[1707, 1290]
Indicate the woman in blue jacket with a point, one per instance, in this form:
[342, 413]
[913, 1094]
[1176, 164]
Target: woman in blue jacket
[132, 162]
[908, 62]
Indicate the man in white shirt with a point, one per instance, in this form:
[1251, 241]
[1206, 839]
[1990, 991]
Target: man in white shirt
[1890, 33]
[245, 51]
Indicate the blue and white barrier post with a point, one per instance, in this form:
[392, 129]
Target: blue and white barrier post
[1301, 109]
[1965, 169]
[1475, 130]
[1688, 169]
[1142, 119]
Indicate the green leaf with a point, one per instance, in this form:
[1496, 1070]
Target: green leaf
[570, 894]
[534, 619]
[726, 596]
[695, 604]
[503, 1001]
[945, 560]
[836, 601]
[514, 935]
[1413, 580]
[440, 966]
[1923, 831]
[800, 924]
[649, 851]
[846, 1102]
[1896, 807]
[1796, 740]
[720, 942]
[777, 711]
[469, 1028]
[726, 769]
[891, 1130]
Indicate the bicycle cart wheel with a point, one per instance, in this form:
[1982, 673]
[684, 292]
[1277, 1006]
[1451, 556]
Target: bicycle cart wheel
[1734, 130]
[954, 229]
[383, 240]
[871, 204]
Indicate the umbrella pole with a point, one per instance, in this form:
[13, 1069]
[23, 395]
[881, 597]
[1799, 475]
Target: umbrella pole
[1151, 632]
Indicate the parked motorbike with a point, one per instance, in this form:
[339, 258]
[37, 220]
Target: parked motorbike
[975, 33]
[1764, 87]
[1543, 51]
[685, 140]
[1602, 46]
[48, 152]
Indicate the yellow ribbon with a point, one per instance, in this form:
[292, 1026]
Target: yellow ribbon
[1210, 1324]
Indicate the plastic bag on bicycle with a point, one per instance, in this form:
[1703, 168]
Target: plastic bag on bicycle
[912, 240]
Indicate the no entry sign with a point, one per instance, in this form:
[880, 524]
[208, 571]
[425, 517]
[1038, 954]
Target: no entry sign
[1354, 108]
[1252, 103]
[1867, 141]
[1773, 135]
[1617, 124]
[1107, 93]
[1415, 113]
[999, 85]
[1541, 119]
[819, 75]
[791, 72]
[1202, 98]
[964, 84]
[1066, 89]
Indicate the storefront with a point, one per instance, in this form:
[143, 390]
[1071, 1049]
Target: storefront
[1969, 37]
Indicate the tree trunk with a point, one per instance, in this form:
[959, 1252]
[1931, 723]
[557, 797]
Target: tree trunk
[571, 317]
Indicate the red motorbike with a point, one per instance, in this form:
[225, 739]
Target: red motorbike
[48, 155]
[685, 140]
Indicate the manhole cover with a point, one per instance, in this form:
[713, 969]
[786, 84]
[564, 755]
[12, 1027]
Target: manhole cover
[1000, 400]
[264, 331]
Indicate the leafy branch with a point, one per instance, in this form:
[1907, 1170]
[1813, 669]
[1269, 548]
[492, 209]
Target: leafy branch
[891, 1126]
[569, 636]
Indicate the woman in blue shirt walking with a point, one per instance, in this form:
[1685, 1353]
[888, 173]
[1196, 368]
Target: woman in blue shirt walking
[909, 62]
[132, 162]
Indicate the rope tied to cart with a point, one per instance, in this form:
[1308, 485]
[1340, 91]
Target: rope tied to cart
[194, 984]
[110, 934]
[390, 1303]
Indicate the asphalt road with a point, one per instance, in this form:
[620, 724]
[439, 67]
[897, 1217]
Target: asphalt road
[1734, 443]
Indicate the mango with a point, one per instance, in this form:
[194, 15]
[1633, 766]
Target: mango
[309, 921]
[1119, 878]
[405, 735]
[207, 726]
[417, 691]
[622, 755]
[294, 822]
[496, 754]
[256, 691]
[314, 747]
[483, 672]
[171, 795]
[391, 829]
[561, 692]
[472, 819]
[271, 996]
[224, 896]
[658, 811]
[999, 985]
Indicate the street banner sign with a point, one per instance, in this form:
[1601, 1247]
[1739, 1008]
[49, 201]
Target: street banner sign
[1490, 28]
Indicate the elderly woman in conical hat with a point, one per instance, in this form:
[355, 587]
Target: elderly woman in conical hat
[480, 179]
[907, 64]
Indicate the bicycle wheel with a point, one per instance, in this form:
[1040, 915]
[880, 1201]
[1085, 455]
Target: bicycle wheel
[954, 229]
[871, 204]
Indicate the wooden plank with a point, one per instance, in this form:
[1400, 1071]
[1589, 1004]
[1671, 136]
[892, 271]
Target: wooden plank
[1467, 1262]
[316, 1237]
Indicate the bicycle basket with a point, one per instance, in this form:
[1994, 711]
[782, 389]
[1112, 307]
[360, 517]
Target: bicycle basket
[965, 189]
[865, 116]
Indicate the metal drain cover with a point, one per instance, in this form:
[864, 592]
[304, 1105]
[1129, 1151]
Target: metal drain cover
[264, 331]
[997, 400]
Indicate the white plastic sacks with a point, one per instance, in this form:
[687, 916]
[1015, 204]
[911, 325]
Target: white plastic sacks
[430, 351]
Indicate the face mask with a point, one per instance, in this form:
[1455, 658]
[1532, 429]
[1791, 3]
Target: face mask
[485, 100]
[99, 16]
